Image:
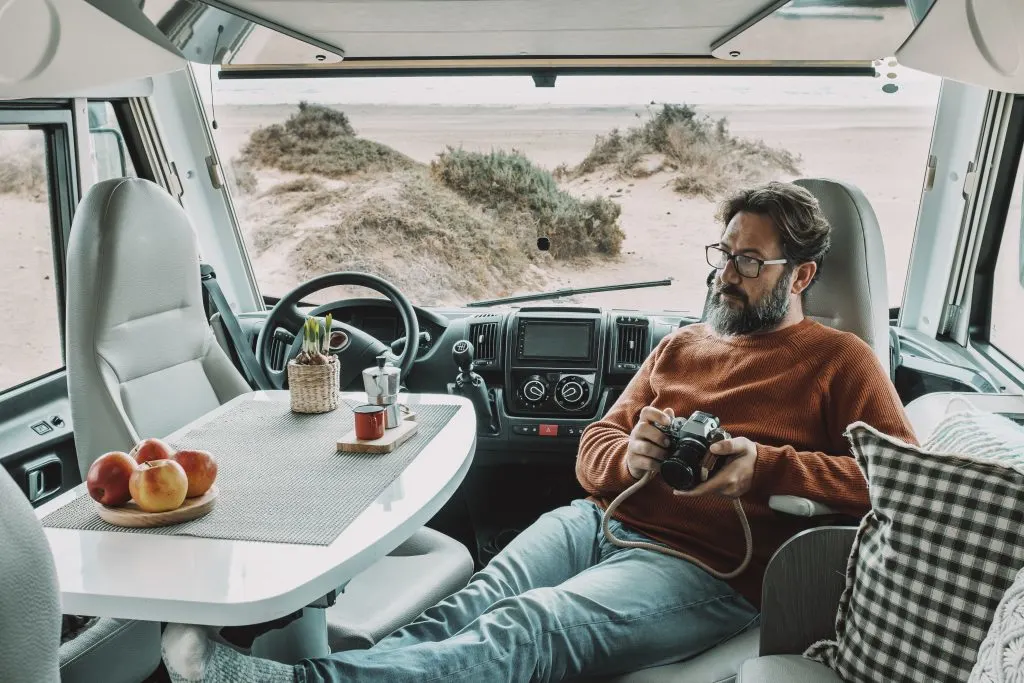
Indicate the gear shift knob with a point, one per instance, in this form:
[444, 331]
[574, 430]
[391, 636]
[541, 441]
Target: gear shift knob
[462, 354]
[472, 386]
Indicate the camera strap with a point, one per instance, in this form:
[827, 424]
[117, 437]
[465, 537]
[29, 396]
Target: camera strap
[648, 475]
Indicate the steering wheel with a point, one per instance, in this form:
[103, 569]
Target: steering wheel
[359, 350]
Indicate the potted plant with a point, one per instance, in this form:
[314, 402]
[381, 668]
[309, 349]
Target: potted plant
[313, 373]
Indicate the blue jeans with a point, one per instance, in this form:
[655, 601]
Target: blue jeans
[559, 601]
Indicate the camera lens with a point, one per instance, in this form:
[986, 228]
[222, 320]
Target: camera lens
[678, 474]
[681, 470]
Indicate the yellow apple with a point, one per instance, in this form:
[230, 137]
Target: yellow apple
[158, 485]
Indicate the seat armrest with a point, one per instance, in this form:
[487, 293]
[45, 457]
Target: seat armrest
[802, 585]
[799, 507]
[925, 412]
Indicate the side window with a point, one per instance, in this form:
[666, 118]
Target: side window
[30, 341]
[1007, 328]
[110, 156]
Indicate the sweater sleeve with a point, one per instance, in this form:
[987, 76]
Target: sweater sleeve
[601, 460]
[858, 389]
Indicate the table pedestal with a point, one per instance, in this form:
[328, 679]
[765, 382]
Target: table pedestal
[301, 639]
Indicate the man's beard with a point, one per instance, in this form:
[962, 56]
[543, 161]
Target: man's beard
[763, 316]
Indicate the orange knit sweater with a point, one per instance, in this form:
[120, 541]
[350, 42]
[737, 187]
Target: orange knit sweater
[793, 392]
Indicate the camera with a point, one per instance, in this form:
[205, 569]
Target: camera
[690, 438]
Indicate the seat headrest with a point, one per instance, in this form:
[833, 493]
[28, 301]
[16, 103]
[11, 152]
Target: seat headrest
[852, 292]
[133, 237]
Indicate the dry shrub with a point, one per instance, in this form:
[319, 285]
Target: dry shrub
[464, 228]
[515, 188]
[302, 184]
[707, 159]
[244, 178]
[426, 239]
[320, 140]
[22, 172]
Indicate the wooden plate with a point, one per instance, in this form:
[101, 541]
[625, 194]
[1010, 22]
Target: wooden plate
[129, 514]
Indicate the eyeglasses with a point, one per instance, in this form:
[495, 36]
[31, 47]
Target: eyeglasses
[747, 266]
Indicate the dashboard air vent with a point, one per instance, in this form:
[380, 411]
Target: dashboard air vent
[279, 344]
[631, 336]
[484, 337]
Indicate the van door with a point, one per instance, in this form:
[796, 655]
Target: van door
[41, 180]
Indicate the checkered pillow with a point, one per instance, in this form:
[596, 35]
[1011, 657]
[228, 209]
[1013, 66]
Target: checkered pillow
[941, 544]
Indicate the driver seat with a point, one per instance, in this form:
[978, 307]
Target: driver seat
[142, 361]
[850, 295]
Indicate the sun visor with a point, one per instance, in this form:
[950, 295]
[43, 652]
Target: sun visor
[979, 42]
[209, 32]
[820, 30]
[56, 48]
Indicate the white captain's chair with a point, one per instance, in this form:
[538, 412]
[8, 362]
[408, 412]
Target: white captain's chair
[852, 295]
[29, 600]
[143, 361]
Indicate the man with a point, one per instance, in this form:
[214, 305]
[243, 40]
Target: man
[560, 600]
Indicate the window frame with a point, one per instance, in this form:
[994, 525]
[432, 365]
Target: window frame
[57, 127]
[62, 133]
[1005, 174]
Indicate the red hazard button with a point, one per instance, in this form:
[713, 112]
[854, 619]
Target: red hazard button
[549, 430]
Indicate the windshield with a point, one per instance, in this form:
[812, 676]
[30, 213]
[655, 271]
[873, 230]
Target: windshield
[466, 188]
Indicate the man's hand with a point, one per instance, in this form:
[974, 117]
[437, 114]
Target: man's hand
[647, 444]
[733, 480]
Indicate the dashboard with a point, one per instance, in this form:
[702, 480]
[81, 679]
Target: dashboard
[549, 370]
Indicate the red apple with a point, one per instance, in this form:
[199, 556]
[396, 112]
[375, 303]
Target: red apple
[108, 477]
[158, 485]
[151, 449]
[200, 468]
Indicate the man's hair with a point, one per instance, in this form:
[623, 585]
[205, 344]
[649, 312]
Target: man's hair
[795, 213]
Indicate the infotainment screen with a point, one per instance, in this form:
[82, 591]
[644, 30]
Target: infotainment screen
[555, 340]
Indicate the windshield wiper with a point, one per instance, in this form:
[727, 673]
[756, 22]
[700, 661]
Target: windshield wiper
[559, 293]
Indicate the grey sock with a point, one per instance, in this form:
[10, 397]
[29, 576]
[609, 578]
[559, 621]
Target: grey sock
[191, 657]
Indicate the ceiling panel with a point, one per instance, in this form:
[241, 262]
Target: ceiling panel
[531, 43]
[448, 28]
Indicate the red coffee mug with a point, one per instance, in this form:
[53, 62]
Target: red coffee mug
[369, 422]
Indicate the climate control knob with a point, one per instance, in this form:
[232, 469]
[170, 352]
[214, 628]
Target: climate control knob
[534, 389]
[572, 392]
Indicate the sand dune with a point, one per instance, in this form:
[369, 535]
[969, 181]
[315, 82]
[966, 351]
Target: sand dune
[882, 151]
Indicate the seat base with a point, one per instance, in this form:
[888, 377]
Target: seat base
[789, 668]
[395, 590]
[113, 651]
[718, 665]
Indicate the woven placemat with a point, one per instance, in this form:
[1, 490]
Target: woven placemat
[280, 476]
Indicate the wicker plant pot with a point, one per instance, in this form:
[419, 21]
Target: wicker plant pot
[313, 388]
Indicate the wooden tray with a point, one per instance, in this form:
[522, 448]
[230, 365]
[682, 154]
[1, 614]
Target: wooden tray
[392, 439]
[129, 514]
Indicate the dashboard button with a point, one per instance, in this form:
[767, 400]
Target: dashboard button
[41, 428]
[549, 430]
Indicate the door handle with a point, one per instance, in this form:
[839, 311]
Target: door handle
[43, 477]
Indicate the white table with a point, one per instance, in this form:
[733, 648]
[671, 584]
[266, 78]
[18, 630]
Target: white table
[231, 583]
